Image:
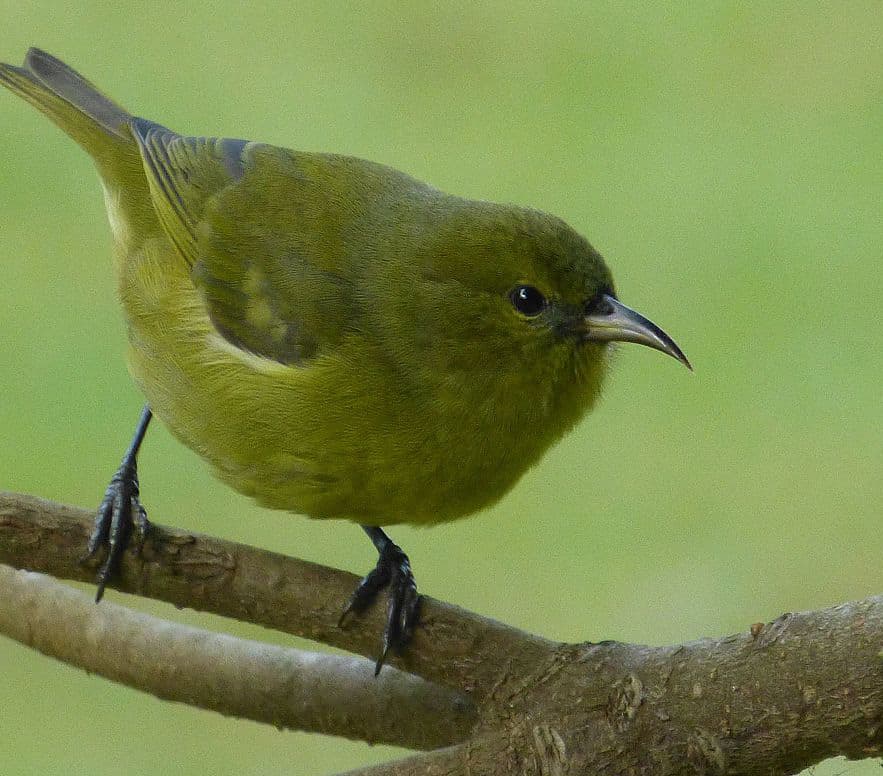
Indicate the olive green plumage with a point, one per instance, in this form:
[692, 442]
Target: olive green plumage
[336, 338]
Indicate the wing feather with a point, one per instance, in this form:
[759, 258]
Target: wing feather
[262, 268]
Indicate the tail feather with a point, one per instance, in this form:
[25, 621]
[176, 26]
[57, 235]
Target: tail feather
[70, 101]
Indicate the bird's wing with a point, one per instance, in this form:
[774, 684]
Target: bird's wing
[253, 230]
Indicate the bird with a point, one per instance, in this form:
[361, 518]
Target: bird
[334, 337]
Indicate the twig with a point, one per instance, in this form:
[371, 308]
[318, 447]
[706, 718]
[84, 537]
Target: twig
[287, 688]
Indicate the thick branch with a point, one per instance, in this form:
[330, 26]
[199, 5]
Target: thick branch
[774, 700]
[452, 647]
[771, 700]
[236, 677]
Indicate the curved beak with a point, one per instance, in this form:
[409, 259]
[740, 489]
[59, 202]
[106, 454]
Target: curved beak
[614, 322]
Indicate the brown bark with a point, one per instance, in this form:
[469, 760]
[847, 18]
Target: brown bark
[453, 647]
[773, 699]
[284, 687]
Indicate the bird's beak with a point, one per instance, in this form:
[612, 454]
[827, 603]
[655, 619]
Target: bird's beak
[612, 321]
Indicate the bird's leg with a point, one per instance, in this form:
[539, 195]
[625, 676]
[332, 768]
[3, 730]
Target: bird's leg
[120, 511]
[393, 570]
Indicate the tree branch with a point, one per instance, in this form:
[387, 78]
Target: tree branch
[236, 677]
[452, 647]
[775, 700]
[772, 700]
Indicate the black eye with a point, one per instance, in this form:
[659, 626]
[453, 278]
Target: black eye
[528, 300]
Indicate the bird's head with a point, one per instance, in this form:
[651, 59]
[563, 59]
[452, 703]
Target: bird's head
[514, 296]
[497, 321]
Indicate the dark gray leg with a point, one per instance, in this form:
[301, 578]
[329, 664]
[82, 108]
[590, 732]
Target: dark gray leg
[120, 511]
[393, 570]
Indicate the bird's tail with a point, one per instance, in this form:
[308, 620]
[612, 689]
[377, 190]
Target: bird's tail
[97, 123]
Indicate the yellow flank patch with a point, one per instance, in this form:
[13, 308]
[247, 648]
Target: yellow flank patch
[259, 314]
[254, 282]
[118, 226]
[223, 352]
[279, 331]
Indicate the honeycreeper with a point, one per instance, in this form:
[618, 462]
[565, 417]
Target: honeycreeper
[336, 338]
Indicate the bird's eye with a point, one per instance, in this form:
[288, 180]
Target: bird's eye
[528, 300]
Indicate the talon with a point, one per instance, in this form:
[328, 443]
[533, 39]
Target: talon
[119, 511]
[393, 571]
[382, 659]
[363, 596]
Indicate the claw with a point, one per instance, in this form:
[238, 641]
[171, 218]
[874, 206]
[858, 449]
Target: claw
[120, 510]
[393, 571]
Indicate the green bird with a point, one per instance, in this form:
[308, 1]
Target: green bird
[336, 338]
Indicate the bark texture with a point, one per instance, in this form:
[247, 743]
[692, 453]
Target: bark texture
[772, 700]
[284, 687]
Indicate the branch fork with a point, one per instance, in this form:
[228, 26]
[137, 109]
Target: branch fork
[476, 696]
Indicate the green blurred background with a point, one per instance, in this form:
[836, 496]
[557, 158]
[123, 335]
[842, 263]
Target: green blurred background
[726, 158]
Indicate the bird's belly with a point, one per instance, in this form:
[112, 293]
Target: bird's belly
[313, 439]
[326, 461]
[365, 491]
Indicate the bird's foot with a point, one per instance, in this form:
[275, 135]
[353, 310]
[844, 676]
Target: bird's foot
[120, 511]
[393, 570]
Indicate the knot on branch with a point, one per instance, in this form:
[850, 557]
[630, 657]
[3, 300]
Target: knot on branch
[625, 699]
[705, 754]
[765, 636]
[551, 751]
